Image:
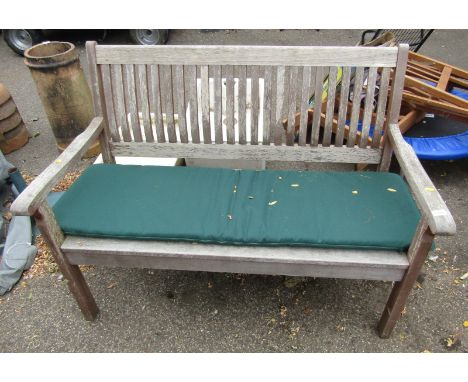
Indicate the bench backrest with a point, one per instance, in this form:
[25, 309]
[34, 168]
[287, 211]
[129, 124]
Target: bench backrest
[248, 102]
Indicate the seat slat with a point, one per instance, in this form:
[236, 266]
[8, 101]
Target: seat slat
[131, 102]
[155, 102]
[294, 261]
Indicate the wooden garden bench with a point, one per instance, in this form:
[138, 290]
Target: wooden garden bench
[190, 102]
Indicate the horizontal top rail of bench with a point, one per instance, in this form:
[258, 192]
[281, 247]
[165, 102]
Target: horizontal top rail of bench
[247, 55]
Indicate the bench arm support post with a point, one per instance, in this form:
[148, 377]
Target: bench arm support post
[32, 197]
[429, 201]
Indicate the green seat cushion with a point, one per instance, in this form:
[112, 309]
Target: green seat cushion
[240, 207]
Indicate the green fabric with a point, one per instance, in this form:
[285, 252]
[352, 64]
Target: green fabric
[245, 207]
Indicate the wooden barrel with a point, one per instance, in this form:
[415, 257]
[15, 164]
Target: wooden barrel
[13, 132]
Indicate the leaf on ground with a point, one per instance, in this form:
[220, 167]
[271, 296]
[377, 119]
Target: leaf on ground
[465, 324]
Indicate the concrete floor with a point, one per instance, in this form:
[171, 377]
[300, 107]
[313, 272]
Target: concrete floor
[169, 311]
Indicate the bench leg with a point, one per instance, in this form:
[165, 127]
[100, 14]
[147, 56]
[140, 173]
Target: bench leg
[417, 253]
[54, 238]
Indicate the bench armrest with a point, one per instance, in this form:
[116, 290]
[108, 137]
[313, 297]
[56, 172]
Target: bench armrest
[31, 198]
[427, 197]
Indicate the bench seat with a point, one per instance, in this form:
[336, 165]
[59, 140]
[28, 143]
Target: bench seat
[357, 210]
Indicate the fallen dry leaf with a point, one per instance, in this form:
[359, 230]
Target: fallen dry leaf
[391, 190]
[354, 192]
[295, 185]
[273, 203]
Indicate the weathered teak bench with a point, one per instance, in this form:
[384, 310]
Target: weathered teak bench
[143, 111]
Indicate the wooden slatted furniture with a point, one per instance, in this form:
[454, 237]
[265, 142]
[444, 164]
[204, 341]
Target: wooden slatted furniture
[154, 101]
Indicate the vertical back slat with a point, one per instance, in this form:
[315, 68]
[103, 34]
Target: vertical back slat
[342, 110]
[381, 107]
[267, 101]
[218, 103]
[131, 102]
[119, 101]
[327, 130]
[191, 96]
[282, 86]
[242, 99]
[179, 92]
[255, 103]
[230, 133]
[306, 93]
[143, 102]
[155, 102]
[356, 106]
[317, 106]
[273, 103]
[205, 103]
[165, 75]
[293, 73]
[368, 106]
[107, 86]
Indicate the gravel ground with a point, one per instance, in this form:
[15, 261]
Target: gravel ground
[171, 311]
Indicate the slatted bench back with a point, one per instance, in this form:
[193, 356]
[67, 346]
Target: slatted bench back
[247, 102]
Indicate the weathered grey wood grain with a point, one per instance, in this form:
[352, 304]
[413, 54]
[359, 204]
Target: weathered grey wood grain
[319, 73]
[191, 95]
[368, 106]
[292, 96]
[218, 103]
[97, 91]
[54, 238]
[381, 265]
[229, 75]
[131, 101]
[178, 71]
[273, 104]
[430, 202]
[417, 253]
[143, 101]
[249, 152]
[246, 55]
[267, 101]
[165, 76]
[32, 197]
[327, 129]
[155, 102]
[356, 107]
[342, 109]
[396, 93]
[306, 93]
[119, 101]
[108, 98]
[381, 107]
[255, 101]
[205, 103]
[282, 98]
[242, 103]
